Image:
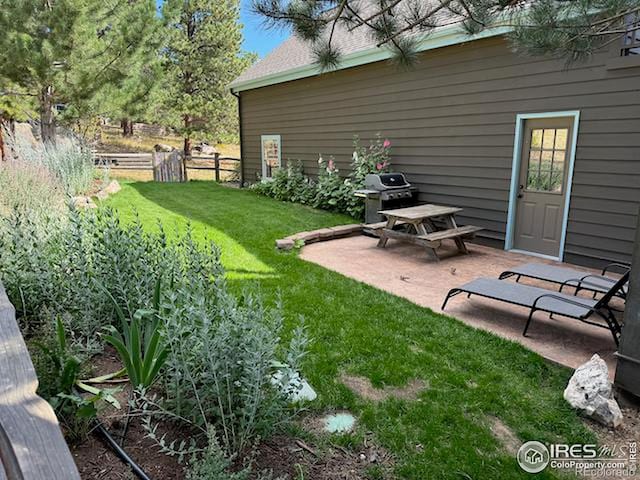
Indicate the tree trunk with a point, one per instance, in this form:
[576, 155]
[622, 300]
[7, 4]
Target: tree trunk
[47, 117]
[3, 155]
[187, 145]
[127, 127]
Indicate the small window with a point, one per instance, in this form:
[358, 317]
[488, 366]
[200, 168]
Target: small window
[271, 154]
[547, 152]
[631, 39]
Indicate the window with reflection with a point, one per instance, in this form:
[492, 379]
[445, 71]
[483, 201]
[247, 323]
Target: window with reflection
[631, 39]
[547, 156]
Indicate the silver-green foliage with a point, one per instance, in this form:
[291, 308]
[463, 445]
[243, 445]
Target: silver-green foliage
[222, 355]
[69, 160]
[73, 267]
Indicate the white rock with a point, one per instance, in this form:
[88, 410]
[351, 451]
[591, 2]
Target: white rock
[294, 386]
[113, 187]
[589, 390]
[83, 202]
[161, 147]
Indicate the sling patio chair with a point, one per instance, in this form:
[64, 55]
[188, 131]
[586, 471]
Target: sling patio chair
[568, 277]
[540, 299]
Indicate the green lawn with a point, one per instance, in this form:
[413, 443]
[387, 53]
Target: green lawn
[358, 329]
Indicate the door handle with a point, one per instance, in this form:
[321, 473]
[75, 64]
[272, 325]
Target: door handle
[520, 188]
[519, 195]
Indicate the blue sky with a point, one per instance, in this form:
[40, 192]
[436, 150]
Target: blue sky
[256, 37]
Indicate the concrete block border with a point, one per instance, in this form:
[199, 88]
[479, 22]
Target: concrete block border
[321, 235]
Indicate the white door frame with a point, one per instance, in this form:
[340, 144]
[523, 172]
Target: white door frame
[515, 176]
[264, 138]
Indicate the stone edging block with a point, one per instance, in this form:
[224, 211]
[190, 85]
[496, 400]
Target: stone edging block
[321, 235]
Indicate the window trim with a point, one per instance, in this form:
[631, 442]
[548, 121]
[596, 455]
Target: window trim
[266, 138]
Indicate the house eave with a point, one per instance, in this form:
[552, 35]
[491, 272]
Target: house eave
[444, 37]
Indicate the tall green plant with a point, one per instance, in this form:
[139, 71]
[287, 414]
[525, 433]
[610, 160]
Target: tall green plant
[140, 344]
[70, 161]
[59, 373]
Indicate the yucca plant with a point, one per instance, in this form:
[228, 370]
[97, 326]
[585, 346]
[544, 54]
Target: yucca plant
[140, 344]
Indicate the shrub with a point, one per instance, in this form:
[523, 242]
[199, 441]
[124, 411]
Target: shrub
[74, 267]
[331, 191]
[222, 355]
[70, 160]
[288, 184]
[28, 187]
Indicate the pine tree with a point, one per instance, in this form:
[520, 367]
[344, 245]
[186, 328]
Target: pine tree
[202, 57]
[65, 51]
[573, 29]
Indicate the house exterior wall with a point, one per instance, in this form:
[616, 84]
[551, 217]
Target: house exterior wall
[451, 121]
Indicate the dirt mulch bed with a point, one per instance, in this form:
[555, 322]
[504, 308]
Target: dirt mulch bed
[284, 455]
[293, 459]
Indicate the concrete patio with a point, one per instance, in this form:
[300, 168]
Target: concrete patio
[405, 270]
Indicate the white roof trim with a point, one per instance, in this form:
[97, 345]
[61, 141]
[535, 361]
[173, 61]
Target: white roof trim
[444, 37]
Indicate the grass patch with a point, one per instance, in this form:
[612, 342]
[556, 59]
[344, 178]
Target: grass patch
[472, 375]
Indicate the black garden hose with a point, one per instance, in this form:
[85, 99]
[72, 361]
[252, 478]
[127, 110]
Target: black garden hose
[137, 470]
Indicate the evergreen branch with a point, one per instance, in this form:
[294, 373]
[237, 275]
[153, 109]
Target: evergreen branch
[414, 24]
[377, 14]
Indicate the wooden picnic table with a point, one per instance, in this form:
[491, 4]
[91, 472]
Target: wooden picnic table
[424, 222]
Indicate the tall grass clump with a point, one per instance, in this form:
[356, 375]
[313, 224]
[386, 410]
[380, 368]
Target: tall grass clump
[69, 160]
[28, 187]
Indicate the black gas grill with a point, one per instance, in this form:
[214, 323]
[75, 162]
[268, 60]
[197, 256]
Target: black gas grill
[385, 191]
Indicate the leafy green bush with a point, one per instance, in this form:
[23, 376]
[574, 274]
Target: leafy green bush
[214, 355]
[72, 267]
[223, 353]
[29, 187]
[330, 191]
[288, 184]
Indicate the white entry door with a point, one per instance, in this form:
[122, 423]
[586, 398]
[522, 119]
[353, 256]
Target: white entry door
[542, 185]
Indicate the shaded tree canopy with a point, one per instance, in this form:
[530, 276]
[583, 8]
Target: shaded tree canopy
[571, 29]
[65, 51]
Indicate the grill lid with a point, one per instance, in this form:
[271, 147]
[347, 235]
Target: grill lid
[385, 181]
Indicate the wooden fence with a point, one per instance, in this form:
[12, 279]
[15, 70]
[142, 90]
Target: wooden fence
[31, 444]
[168, 167]
[144, 161]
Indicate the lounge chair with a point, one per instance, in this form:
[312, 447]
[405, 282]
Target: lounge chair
[568, 277]
[540, 299]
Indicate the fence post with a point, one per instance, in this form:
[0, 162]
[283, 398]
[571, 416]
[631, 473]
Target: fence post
[216, 160]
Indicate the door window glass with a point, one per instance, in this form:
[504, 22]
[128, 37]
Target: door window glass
[547, 152]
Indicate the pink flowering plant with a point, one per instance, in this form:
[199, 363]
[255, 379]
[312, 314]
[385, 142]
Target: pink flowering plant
[372, 159]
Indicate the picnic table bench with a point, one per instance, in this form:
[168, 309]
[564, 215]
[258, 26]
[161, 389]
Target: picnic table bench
[424, 227]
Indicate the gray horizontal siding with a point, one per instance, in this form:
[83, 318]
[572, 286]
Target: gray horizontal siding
[451, 121]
